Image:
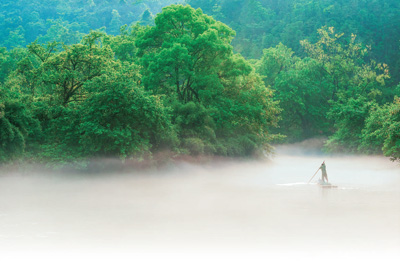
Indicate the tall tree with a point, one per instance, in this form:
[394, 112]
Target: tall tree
[187, 57]
[66, 72]
[184, 52]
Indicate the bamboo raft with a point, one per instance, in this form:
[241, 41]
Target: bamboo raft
[324, 184]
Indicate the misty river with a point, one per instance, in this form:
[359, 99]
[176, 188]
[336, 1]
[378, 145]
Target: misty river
[238, 210]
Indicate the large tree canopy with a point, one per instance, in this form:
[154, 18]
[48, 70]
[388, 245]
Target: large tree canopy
[187, 57]
[184, 53]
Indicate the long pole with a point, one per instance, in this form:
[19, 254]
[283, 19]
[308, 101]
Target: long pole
[314, 174]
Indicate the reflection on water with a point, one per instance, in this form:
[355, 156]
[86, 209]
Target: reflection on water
[247, 210]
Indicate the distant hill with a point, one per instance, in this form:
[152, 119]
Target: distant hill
[23, 21]
[261, 24]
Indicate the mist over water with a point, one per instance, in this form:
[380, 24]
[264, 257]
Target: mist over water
[237, 210]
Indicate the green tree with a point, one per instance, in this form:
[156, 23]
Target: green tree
[17, 126]
[147, 18]
[64, 74]
[301, 90]
[60, 144]
[9, 61]
[274, 61]
[344, 64]
[352, 83]
[123, 45]
[184, 52]
[63, 32]
[391, 145]
[16, 38]
[382, 130]
[26, 79]
[304, 98]
[115, 23]
[350, 116]
[125, 121]
[222, 105]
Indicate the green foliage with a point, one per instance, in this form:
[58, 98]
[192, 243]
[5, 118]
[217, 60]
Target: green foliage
[303, 93]
[382, 130]
[246, 113]
[350, 116]
[63, 32]
[355, 84]
[195, 126]
[195, 146]
[24, 21]
[193, 119]
[61, 132]
[259, 24]
[262, 24]
[391, 145]
[123, 45]
[183, 53]
[17, 127]
[345, 65]
[9, 61]
[274, 61]
[12, 142]
[115, 23]
[147, 18]
[63, 74]
[187, 57]
[87, 102]
[328, 82]
[16, 38]
[178, 85]
[122, 120]
[301, 90]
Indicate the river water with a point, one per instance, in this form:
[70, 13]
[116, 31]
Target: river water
[219, 211]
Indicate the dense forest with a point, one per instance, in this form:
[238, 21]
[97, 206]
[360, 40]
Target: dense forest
[261, 24]
[83, 78]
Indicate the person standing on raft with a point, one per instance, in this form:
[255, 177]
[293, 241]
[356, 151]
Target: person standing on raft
[324, 173]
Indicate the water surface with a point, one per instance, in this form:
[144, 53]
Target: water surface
[235, 210]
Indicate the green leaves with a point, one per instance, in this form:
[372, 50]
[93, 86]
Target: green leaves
[17, 127]
[65, 73]
[122, 120]
[349, 115]
[382, 130]
[179, 86]
[345, 64]
[300, 88]
[12, 143]
[215, 94]
[330, 92]
[183, 47]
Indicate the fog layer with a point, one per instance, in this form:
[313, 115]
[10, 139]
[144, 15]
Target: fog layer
[242, 210]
